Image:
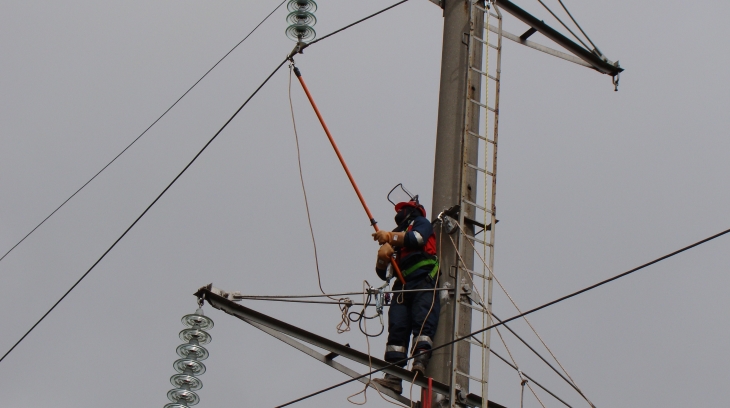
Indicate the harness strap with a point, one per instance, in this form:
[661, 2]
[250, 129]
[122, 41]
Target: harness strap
[419, 265]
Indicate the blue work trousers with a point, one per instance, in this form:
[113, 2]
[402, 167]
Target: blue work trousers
[418, 314]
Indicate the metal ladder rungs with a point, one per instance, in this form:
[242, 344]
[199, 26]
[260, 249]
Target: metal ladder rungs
[481, 137]
[473, 342]
[477, 168]
[481, 104]
[479, 274]
[483, 10]
[481, 40]
[484, 73]
[475, 307]
[469, 237]
[479, 380]
[475, 205]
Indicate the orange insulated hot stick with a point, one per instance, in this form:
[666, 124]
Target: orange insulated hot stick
[344, 166]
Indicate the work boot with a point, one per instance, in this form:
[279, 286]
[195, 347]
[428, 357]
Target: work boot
[420, 362]
[390, 382]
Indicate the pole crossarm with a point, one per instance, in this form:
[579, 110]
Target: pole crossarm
[555, 53]
[287, 333]
[327, 359]
[596, 62]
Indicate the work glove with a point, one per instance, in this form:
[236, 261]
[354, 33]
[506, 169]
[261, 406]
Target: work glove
[393, 238]
[385, 254]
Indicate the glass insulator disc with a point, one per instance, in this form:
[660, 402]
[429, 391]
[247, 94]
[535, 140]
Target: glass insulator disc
[195, 367]
[194, 334]
[183, 396]
[203, 322]
[192, 351]
[175, 405]
[185, 381]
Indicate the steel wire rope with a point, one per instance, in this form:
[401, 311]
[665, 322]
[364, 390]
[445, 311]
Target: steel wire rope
[526, 375]
[515, 317]
[353, 24]
[563, 24]
[481, 304]
[317, 302]
[527, 321]
[362, 317]
[180, 174]
[535, 352]
[490, 315]
[364, 391]
[579, 27]
[335, 294]
[344, 304]
[146, 209]
[420, 331]
[430, 309]
[143, 133]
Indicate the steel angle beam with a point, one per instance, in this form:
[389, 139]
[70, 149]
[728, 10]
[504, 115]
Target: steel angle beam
[555, 53]
[262, 321]
[327, 359]
[596, 62]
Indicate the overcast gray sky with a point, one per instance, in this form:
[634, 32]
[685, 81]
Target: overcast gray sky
[592, 183]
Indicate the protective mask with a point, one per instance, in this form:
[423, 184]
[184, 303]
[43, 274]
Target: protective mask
[402, 216]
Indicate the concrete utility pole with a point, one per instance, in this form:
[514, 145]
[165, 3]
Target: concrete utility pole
[466, 155]
[448, 180]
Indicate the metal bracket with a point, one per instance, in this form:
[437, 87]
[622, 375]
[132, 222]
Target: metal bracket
[589, 58]
[453, 213]
[528, 33]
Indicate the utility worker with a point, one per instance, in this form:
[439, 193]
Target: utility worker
[414, 245]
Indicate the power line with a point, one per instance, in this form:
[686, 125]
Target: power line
[563, 24]
[579, 27]
[146, 209]
[143, 133]
[397, 363]
[353, 24]
[537, 354]
[527, 376]
[181, 173]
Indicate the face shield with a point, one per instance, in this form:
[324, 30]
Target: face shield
[399, 194]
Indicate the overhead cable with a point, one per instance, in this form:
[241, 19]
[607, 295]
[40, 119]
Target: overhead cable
[525, 318]
[174, 180]
[355, 23]
[143, 133]
[488, 310]
[536, 353]
[146, 209]
[515, 317]
[491, 350]
[579, 27]
[563, 24]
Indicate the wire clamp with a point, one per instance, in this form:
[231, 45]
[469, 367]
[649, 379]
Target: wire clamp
[523, 379]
